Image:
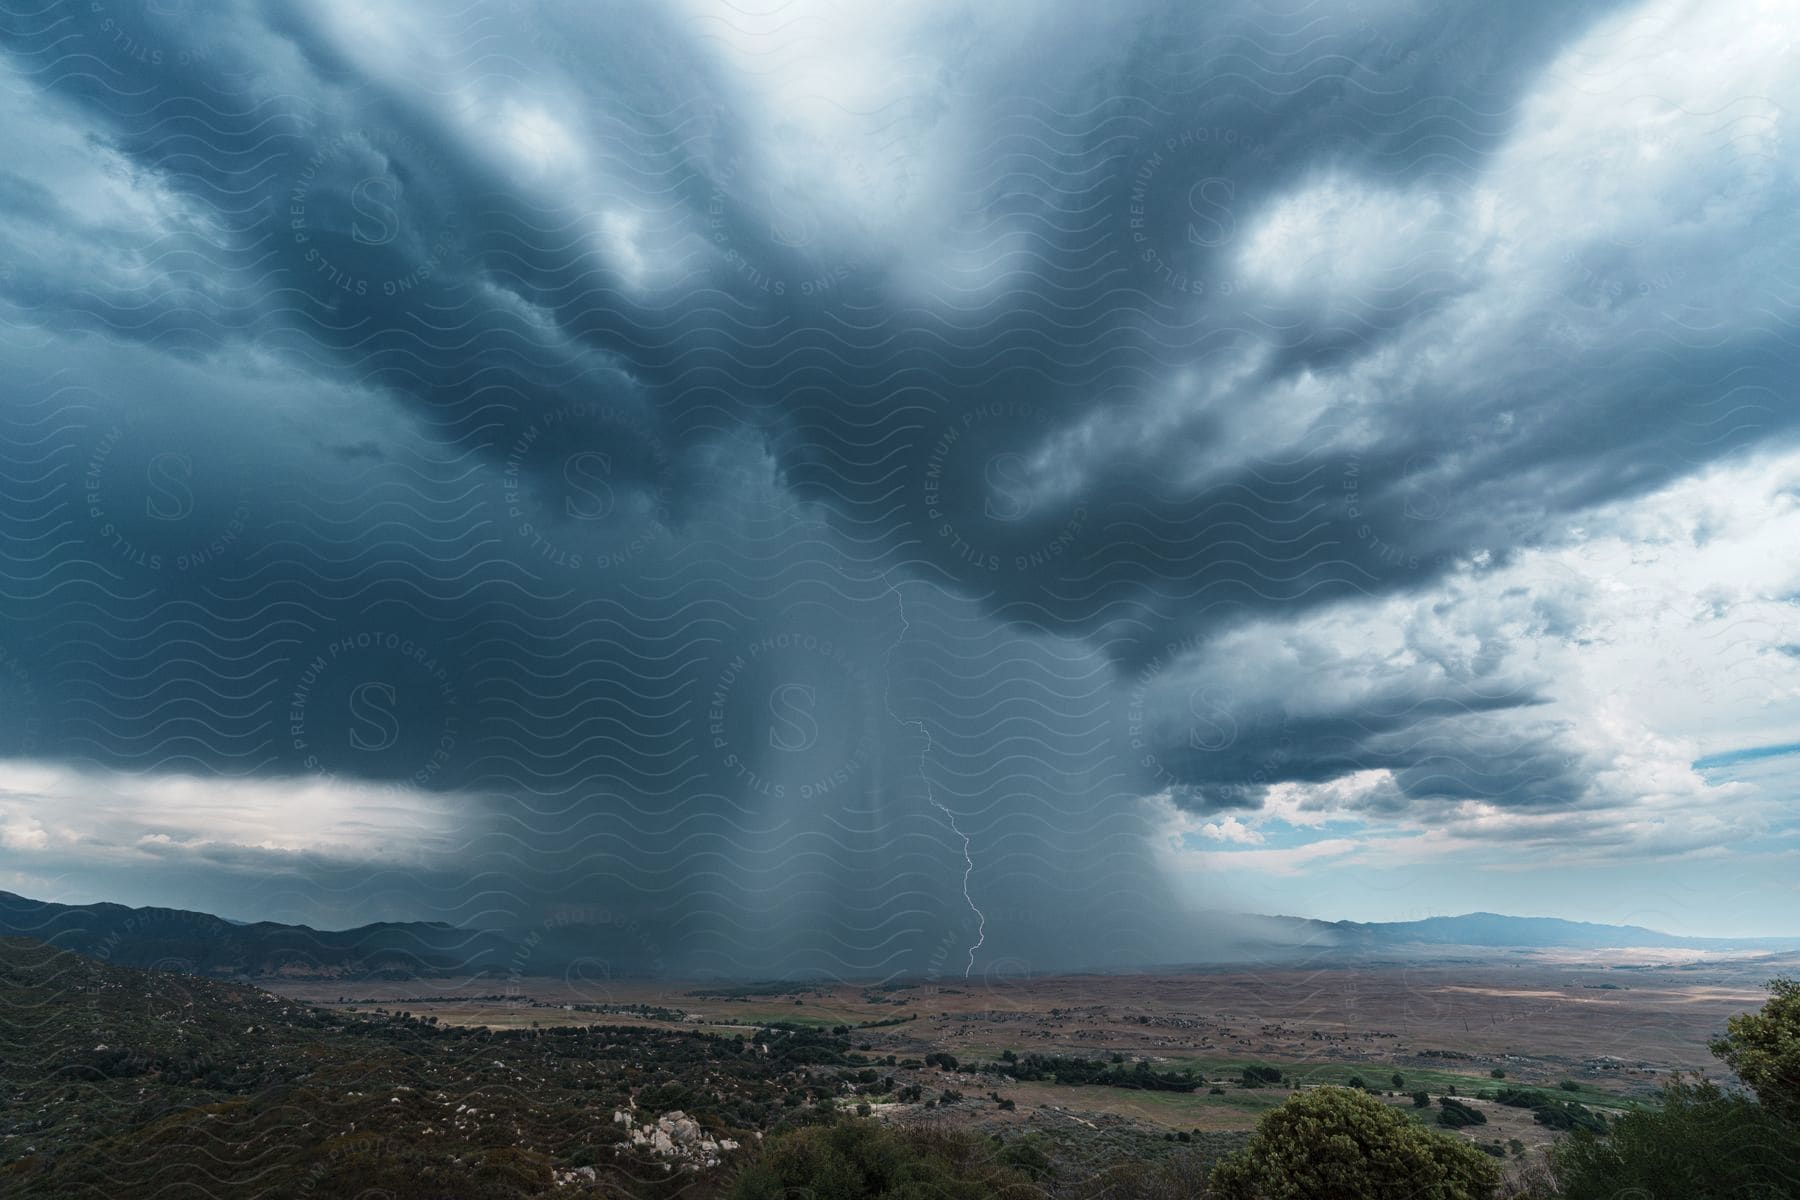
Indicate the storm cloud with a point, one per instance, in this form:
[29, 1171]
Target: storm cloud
[867, 492]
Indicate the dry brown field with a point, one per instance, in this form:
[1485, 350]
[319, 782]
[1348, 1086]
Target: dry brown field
[1614, 1024]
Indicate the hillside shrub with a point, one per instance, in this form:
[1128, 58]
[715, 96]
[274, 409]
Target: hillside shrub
[1454, 1114]
[1254, 1076]
[1699, 1145]
[862, 1160]
[1337, 1144]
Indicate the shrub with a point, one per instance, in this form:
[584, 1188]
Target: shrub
[1028, 1155]
[1553, 1111]
[1179, 1176]
[1337, 1143]
[1258, 1076]
[1421, 1099]
[1699, 1145]
[858, 1159]
[1455, 1114]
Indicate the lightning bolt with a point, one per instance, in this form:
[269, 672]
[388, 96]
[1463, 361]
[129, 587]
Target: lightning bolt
[888, 703]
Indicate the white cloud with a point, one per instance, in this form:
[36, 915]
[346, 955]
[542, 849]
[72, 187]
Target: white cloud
[1652, 638]
[1231, 830]
[112, 816]
[22, 833]
[1336, 240]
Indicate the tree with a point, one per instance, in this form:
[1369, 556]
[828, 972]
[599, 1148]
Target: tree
[1333, 1143]
[1763, 1049]
[1399, 1081]
[1700, 1144]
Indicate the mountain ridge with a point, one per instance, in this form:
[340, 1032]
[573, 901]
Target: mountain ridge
[1501, 930]
[204, 944]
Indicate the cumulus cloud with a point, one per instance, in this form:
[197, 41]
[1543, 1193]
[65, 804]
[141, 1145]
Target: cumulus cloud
[1593, 745]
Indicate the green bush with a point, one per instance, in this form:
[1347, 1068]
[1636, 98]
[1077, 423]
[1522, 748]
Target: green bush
[1457, 1115]
[1553, 1111]
[861, 1160]
[1254, 1076]
[1081, 1072]
[1700, 1145]
[1340, 1144]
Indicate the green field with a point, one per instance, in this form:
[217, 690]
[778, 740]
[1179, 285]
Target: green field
[1378, 1076]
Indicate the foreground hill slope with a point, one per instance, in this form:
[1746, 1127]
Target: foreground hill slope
[119, 1082]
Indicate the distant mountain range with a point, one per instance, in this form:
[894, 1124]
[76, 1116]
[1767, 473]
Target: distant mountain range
[1543, 933]
[203, 944]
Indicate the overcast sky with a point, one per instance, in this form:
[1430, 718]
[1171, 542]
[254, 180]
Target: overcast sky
[872, 487]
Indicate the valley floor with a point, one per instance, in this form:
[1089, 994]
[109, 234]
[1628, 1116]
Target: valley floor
[1604, 1031]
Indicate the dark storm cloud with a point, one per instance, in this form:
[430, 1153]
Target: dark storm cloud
[501, 422]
